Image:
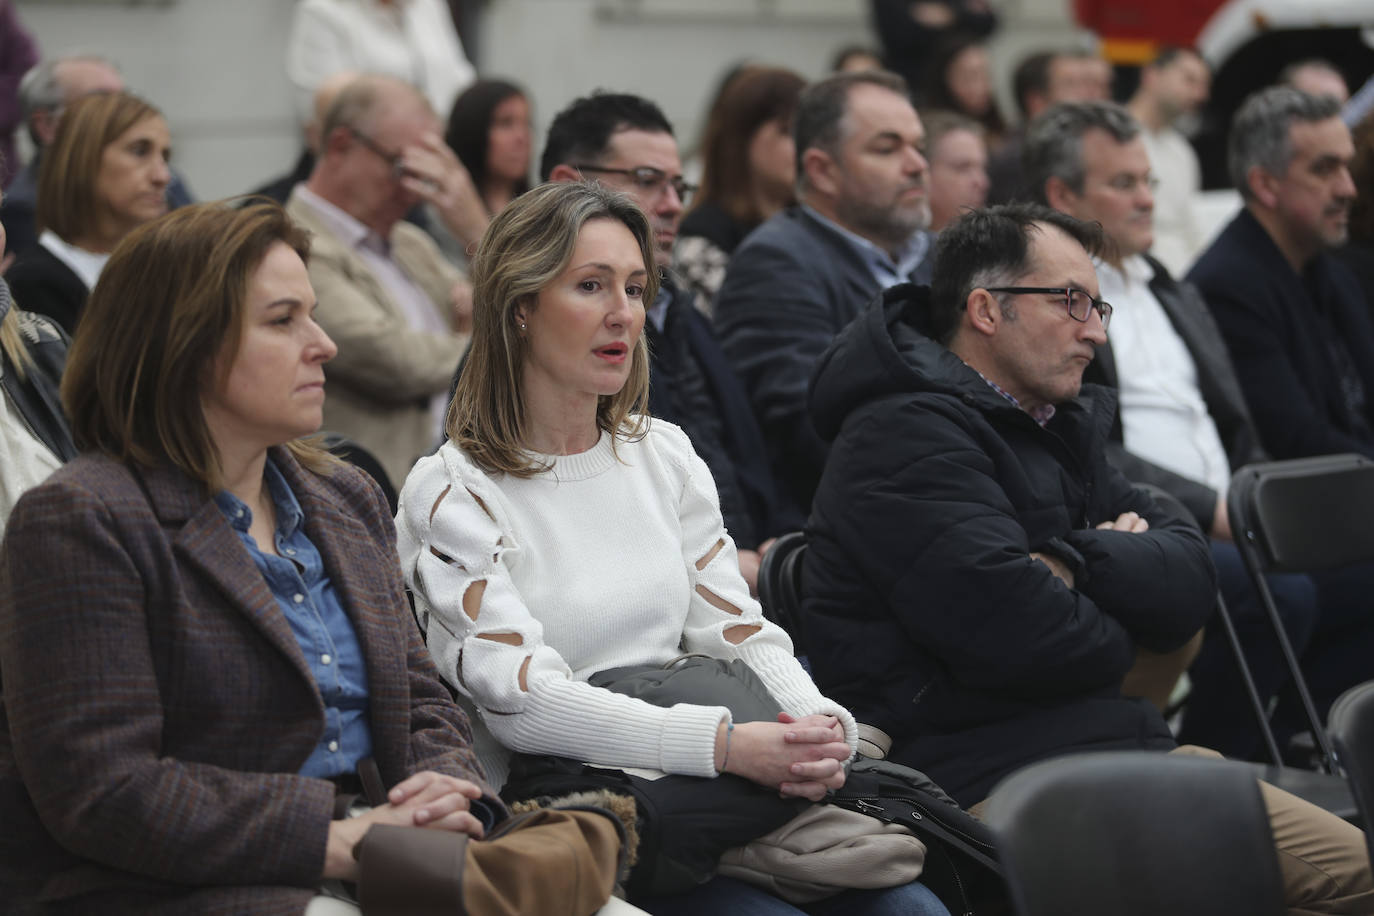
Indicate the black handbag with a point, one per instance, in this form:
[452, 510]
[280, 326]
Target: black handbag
[961, 864]
[685, 823]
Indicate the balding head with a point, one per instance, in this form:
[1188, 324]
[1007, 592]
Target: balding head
[54, 84]
[326, 94]
[366, 131]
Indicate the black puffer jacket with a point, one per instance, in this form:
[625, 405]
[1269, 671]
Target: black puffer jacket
[924, 612]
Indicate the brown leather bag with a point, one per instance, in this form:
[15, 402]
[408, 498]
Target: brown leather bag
[555, 861]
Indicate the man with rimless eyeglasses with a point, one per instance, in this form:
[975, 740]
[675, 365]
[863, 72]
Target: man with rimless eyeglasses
[979, 576]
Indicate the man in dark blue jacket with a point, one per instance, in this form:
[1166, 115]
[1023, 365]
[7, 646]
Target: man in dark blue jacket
[798, 279]
[980, 578]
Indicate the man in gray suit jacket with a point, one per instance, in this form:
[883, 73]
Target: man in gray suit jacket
[1182, 422]
[798, 279]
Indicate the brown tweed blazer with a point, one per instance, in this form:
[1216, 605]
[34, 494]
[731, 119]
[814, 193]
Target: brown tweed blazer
[156, 709]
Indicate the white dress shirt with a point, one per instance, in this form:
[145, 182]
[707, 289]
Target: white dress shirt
[1163, 416]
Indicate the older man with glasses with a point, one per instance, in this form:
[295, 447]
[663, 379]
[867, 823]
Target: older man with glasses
[397, 310]
[626, 143]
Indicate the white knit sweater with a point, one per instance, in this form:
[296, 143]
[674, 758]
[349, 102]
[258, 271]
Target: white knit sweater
[589, 565]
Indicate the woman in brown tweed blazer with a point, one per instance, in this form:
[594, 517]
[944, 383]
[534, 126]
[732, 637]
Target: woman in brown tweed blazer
[171, 737]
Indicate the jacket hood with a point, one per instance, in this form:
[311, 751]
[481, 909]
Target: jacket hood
[885, 351]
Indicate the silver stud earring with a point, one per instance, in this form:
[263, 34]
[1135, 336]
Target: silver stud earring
[522, 325]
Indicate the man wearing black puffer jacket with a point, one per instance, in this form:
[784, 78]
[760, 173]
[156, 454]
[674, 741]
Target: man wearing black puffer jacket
[980, 579]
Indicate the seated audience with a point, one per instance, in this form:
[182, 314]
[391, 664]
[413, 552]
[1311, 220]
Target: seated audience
[1173, 87]
[859, 226]
[748, 174]
[1293, 317]
[911, 32]
[414, 41]
[960, 80]
[45, 92]
[34, 439]
[104, 175]
[958, 160]
[1182, 421]
[1039, 81]
[397, 310]
[980, 578]
[244, 638]
[560, 532]
[1315, 77]
[1357, 254]
[489, 130]
[625, 142]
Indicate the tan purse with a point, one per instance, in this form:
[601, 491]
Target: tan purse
[556, 861]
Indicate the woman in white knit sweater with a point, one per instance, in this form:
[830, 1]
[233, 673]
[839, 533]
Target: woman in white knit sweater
[559, 532]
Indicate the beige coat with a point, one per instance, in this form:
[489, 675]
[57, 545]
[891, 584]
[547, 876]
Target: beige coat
[380, 385]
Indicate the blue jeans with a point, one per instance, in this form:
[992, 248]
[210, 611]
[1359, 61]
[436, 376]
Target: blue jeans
[726, 895]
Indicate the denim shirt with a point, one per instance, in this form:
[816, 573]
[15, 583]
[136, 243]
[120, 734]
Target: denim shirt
[305, 594]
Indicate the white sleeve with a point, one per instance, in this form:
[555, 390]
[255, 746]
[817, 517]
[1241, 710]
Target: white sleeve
[316, 49]
[451, 538]
[769, 651]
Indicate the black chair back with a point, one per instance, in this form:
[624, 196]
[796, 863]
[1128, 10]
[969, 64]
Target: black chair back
[1136, 834]
[1351, 724]
[1303, 515]
[780, 585]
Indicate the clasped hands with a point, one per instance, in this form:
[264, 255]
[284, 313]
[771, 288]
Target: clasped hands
[800, 757]
[427, 799]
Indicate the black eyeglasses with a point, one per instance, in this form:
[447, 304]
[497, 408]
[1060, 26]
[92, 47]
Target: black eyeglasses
[392, 159]
[648, 179]
[1077, 301]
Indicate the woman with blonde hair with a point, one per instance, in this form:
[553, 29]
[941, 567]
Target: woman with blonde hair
[104, 175]
[561, 533]
[206, 645]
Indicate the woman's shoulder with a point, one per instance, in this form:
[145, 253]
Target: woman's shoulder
[433, 476]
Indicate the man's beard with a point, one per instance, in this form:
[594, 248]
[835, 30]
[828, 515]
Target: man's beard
[887, 227]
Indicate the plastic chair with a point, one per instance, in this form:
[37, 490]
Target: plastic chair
[780, 585]
[1351, 726]
[1304, 515]
[1136, 834]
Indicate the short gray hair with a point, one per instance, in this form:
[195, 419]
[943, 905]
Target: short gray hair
[40, 89]
[360, 102]
[1261, 132]
[1054, 142]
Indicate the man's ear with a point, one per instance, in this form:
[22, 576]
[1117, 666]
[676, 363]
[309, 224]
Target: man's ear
[564, 172]
[983, 312]
[820, 168]
[340, 139]
[1060, 196]
[44, 124]
[1264, 187]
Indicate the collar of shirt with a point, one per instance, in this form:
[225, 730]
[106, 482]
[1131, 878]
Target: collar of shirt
[658, 311]
[348, 230]
[289, 514]
[888, 271]
[1134, 272]
[1041, 415]
[85, 264]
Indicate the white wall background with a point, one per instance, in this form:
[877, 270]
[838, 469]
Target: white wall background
[215, 67]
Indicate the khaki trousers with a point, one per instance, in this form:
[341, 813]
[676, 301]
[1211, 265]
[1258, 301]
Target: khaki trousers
[324, 905]
[1323, 859]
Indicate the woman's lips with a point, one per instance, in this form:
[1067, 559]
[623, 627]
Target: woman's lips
[614, 353]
